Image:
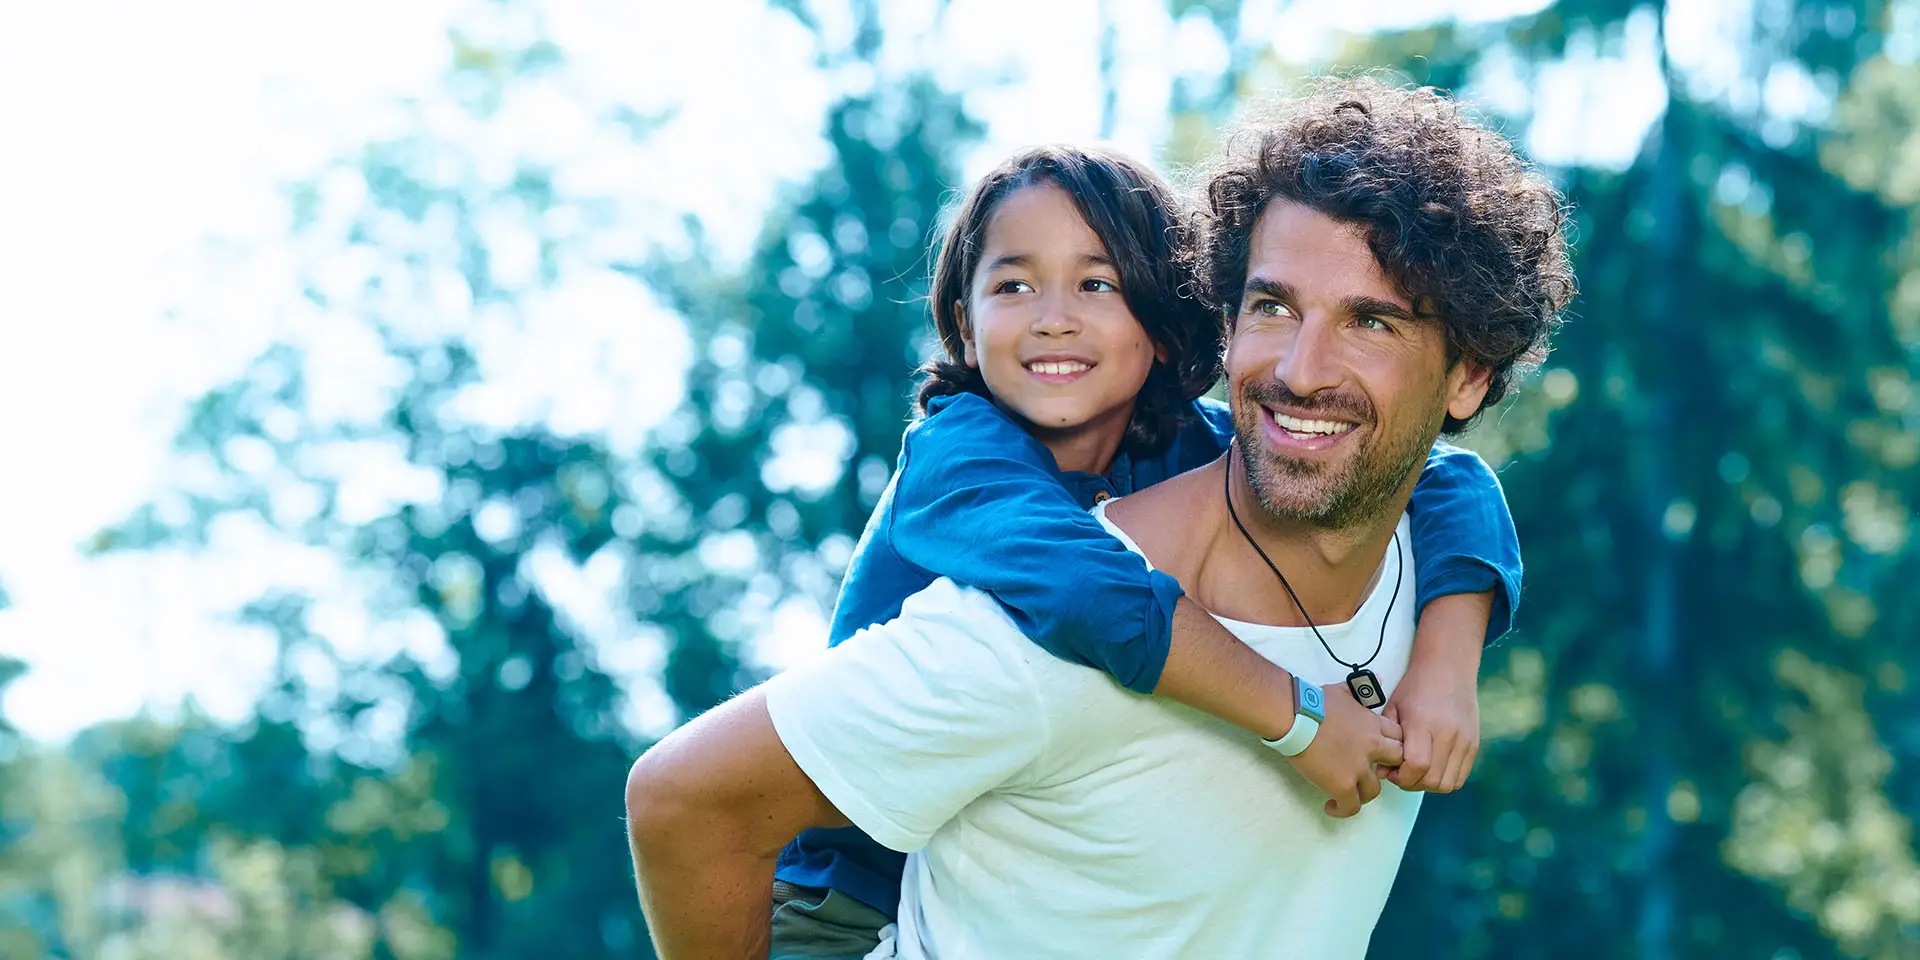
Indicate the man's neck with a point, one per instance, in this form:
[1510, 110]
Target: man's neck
[1331, 571]
[1186, 530]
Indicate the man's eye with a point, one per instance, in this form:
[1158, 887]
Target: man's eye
[1013, 286]
[1371, 323]
[1270, 308]
[1097, 285]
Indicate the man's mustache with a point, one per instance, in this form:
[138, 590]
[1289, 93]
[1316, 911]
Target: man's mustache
[1274, 393]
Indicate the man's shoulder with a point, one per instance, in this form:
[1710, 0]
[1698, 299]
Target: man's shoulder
[951, 628]
[1167, 523]
[949, 642]
[948, 602]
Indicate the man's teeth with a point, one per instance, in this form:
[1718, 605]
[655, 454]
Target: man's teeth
[1298, 425]
[1069, 366]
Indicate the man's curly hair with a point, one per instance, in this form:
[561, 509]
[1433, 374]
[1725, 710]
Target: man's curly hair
[1467, 230]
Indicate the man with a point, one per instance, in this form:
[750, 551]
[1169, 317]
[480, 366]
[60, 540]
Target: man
[1385, 265]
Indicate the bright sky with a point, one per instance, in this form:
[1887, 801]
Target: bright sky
[136, 132]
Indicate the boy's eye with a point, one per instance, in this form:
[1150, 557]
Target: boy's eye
[1013, 286]
[1097, 285]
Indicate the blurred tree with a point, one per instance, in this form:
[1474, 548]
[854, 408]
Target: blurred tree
[799, 393]
[460, 791]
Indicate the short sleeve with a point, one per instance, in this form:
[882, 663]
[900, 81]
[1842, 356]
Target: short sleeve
[979, 500]
[1463, 534]
[907, 722]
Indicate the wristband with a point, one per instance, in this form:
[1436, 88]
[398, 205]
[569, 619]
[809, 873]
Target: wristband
[1309, 709]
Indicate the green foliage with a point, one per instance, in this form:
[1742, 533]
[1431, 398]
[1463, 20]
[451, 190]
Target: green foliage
[798, 395]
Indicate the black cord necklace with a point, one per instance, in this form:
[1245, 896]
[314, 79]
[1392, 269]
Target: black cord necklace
[1363, 683]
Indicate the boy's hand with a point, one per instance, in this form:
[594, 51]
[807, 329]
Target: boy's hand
[1440, 723]
[1437, 702]
[1352, 747]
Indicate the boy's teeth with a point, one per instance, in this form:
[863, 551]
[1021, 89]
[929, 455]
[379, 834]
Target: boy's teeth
[1298, 425]
[1070, 366]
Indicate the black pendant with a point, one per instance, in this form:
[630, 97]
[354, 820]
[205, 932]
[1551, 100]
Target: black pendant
[1366, 688]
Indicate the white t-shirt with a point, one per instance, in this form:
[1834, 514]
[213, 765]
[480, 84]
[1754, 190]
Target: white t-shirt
[1051, 812]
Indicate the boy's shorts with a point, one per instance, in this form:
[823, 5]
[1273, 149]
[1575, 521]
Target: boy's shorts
[811, 923]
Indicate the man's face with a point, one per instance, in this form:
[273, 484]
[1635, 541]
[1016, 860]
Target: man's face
[1338, 391]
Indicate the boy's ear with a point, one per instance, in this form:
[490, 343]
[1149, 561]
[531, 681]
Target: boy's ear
[970, 356]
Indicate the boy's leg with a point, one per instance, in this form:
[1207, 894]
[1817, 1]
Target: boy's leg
[810, 923]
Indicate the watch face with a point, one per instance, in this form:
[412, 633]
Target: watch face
[1312, 701]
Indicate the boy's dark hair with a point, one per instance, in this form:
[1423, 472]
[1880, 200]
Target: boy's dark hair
[1144, 227]
[1467, 230]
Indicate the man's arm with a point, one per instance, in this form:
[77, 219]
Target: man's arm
[896, 730]
[708, 810]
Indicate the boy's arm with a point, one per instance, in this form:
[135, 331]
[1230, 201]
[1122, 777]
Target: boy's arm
[978, 501]
[1436, 702]
[1463, 535]
[1467, 559]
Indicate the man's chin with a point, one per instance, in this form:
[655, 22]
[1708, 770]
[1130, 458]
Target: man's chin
[1304, 503]
[1318, 470]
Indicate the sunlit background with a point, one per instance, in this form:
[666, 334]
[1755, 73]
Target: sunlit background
[413, 410]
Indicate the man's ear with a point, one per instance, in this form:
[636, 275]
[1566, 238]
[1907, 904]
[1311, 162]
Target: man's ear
[1467, 385]
[970, 356]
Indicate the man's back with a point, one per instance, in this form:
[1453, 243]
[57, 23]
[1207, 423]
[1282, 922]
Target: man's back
[1056, 813]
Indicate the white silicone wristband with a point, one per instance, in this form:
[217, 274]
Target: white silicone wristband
[1298, 737]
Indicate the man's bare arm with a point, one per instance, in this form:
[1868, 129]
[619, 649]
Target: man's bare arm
[708, 811]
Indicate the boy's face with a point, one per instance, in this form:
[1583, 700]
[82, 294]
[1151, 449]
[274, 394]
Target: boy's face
[1045, 322]
[1338, 391]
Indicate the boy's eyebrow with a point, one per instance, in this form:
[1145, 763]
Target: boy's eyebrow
[1022, 260]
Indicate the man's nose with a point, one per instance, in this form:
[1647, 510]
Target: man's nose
[1312, 362]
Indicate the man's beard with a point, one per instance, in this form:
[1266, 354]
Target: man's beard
[1336, 496]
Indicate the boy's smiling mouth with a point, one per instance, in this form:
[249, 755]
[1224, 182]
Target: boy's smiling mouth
[1058, 369]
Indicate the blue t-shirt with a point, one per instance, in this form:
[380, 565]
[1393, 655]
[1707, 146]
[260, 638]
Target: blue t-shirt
[977, 499]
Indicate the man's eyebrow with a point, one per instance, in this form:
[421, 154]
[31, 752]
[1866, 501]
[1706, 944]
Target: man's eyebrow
[1376, 307]
[1268, 287]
